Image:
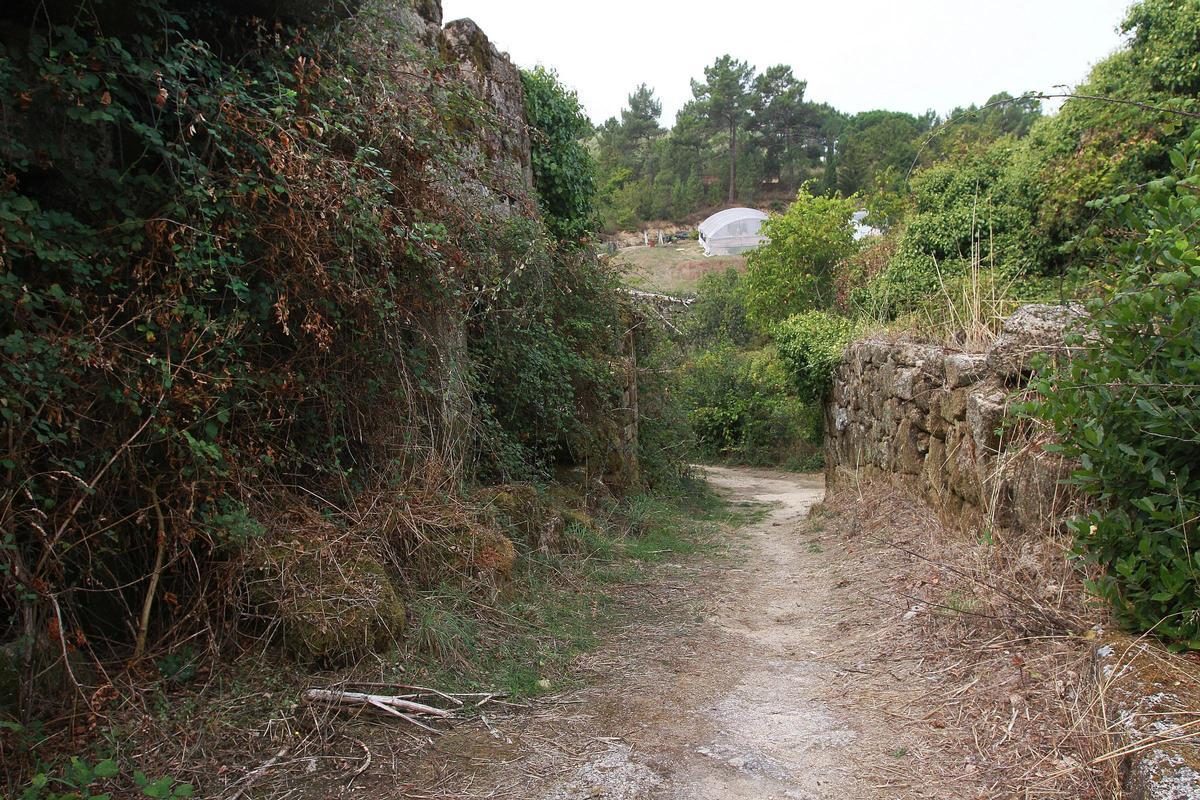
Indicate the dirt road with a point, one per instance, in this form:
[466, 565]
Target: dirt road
[748, 704]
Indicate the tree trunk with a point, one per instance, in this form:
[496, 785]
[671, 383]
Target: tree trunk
[732, 162]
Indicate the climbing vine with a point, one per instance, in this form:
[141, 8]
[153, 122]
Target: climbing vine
[244, 263]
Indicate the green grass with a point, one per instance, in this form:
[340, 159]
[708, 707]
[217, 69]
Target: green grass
[510, 645]
[675, 268]
[957, 602]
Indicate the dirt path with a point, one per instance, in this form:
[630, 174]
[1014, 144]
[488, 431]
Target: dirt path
[748, 704]
[822, 660]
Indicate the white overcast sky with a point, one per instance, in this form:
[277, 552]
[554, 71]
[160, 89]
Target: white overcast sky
[906, 55]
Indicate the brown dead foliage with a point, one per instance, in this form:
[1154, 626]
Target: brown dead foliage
[1006, 630]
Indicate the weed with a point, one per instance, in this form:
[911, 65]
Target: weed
[178, 666]
[962, 603]
[82, 780]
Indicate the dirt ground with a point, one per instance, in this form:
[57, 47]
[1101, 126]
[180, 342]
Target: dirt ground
[808, 664]
[800, 680]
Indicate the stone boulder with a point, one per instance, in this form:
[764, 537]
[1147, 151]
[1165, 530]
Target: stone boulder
[323, 599]
[963, 369]
[1032, 330]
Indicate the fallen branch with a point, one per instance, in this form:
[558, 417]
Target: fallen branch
[406, 717]
[390, 703]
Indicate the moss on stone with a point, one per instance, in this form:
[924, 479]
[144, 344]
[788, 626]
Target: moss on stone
[527, 513]
[326, 605]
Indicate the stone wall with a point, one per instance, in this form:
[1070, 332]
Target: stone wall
[933, 418]
[495, 80]
[505, 180]
[937, 421]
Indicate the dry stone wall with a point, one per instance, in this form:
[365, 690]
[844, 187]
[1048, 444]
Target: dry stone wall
[933, 418]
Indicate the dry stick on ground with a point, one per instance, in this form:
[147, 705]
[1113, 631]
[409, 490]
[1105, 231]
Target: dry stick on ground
[455, 698]
[1054, 621]
[1022, 757]
[389, 704]
[258, 771]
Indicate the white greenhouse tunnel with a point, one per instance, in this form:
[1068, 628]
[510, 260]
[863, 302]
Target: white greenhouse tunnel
[732, 232]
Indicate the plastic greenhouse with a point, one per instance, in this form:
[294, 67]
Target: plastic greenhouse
[732, 231]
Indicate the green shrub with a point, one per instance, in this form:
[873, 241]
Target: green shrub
[82, 780]
[239, 264]
[543, 341]
[563, 172]
[1019, 205]
[665, 445]
[719, 313]
[1128, 407]
[794, 272]
[963, 214]
[810, 346]
[742, 408]
[1166, 38]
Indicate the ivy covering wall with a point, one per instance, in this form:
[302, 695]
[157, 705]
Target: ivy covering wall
[251, 263]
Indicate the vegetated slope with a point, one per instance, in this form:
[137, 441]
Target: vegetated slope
[276, 292]
[1016, 214]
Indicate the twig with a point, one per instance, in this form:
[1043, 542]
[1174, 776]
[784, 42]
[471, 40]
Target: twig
[258, 772]
[144, 622]
[390, 702]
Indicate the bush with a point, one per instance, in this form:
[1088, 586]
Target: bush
[719, 313]
[1019, 205]
[810, 346]
[964, 214]
[741, 408]
[1128, 407]
[242, 260]
[793, 273]
[543, 342]
[665, 446]
[1166, 36]
[563, 172]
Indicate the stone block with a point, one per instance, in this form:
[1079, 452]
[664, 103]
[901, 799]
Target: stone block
[1033, 330]
[964, 369]
[954, 406]
[985, 414]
